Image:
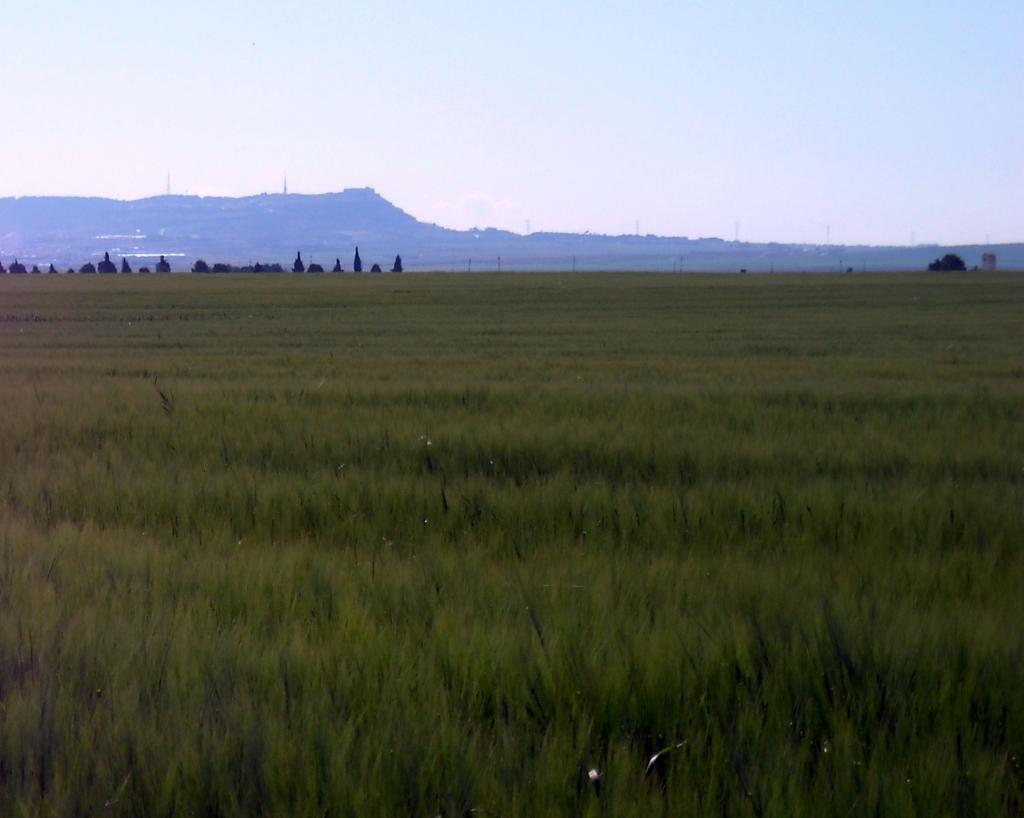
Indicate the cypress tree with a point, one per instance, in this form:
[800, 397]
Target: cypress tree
[107, 266]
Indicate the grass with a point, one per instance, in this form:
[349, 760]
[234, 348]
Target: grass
[439, 545]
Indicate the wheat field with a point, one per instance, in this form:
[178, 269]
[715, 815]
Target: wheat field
[442, 545]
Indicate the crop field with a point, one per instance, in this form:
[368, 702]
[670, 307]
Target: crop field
[440, 545]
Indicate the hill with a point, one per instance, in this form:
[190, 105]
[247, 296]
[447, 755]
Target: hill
[272, 227]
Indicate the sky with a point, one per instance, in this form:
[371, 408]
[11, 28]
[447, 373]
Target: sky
[876, 121]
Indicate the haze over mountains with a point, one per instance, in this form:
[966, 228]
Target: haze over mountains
[273, 227]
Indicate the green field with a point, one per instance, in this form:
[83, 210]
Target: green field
[438, 545]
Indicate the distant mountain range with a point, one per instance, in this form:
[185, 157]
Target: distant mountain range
[273, 227]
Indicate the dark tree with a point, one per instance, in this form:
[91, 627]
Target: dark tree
[314, 268]
[107, 266]
[18, 268]
[257, 268]
[221, 268]
[949, 262]
[71, 271]
[397, 268]
[200, 266]
[124, 266]
[52, 270]
[357, 263]
[298, 266]
[375, 268]
[337, 266]
[163, 266]
[35, 269]
[87, 268]
[2, 268]
[144, 269]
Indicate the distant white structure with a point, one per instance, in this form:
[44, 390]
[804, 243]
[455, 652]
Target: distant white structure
[988, 262]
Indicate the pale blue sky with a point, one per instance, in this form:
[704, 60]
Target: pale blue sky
[881, 119]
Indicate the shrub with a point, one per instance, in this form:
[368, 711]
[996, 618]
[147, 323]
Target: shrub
[949, 262]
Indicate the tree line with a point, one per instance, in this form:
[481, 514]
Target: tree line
[201, 266]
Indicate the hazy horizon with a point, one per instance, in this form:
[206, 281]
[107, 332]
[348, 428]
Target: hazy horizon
[872, 124]
[482, 227]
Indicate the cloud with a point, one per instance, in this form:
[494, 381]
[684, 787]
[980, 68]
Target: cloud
[479, 209]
